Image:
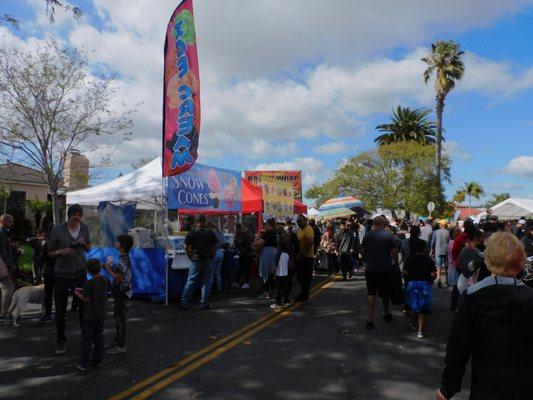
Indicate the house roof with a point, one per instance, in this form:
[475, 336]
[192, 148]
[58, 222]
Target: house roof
[11, 172]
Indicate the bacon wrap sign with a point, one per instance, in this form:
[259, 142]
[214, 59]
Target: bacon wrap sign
[204, 188]
[286, 176]
[181, 93]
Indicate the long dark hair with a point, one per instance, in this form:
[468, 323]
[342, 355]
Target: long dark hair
[414, 235]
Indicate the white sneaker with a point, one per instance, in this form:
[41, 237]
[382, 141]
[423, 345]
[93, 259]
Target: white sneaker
[245, 286]
[275, 307]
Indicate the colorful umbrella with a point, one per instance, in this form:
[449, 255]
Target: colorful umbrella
[346, 202]
[338, 212]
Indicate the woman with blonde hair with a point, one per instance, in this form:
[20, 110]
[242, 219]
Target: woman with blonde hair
[493, 326]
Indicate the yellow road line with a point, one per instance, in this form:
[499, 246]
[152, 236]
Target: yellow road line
[221, 350]
[142, 384]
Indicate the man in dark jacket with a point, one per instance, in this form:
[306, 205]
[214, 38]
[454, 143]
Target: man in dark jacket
[527, 239]
[493, 326]
[345, 241]
[67, 245]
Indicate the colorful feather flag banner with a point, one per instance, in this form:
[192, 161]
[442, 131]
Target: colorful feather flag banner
[181, 93]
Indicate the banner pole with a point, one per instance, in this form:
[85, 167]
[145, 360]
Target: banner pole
[165, 234]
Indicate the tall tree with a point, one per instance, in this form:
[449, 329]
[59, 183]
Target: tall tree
[50, 106]
[407, 125]
[396, 176]
[470, 190]
[445, 62]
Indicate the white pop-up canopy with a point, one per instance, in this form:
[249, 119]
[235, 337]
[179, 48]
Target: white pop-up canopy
[512, 209]
[143, 186]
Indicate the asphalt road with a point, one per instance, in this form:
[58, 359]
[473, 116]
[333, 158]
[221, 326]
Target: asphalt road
[317, 350]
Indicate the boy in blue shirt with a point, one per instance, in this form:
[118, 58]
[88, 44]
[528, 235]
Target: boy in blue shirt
[122, 291]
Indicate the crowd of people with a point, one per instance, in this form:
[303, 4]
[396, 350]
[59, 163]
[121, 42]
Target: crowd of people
[403, 261]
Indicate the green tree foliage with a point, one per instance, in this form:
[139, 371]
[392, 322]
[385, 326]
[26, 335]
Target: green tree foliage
[445, 62]
[396, 176]
[469, 190]
[497, 198]
[407, 125]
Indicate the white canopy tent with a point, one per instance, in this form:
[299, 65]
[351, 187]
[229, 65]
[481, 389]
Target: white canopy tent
[511, 209]
[312, 212]
[143, 186]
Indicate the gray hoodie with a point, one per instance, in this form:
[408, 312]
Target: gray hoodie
[60, 238]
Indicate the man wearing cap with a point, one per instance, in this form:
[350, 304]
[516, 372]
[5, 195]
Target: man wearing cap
[439, 248]
[519, 230]
[67, 245]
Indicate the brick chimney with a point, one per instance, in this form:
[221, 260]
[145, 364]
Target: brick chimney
[76, 171]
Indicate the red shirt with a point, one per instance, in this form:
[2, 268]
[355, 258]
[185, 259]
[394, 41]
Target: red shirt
[458, 244]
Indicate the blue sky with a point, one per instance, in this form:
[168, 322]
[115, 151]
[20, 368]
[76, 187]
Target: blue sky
[302, 85]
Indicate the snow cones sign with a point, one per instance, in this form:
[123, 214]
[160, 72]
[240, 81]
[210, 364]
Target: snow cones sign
[181, 93]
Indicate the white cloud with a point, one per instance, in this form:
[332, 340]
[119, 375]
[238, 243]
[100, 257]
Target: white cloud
[312, 169]
[331, 148]
[247, 50]
[522, 166]
[498, 79]
[454, 150]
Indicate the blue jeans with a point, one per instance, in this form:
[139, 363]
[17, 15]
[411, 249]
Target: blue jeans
[199, 271]
[219, 256]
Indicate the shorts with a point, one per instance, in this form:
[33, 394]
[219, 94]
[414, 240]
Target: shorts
[419, 297]
[378, 283]
[440, 261]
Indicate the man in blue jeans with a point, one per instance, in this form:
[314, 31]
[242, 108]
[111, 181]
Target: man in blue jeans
[200, 246]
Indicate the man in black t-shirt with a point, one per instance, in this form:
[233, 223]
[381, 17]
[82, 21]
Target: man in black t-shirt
[379, 251]
[200, 248]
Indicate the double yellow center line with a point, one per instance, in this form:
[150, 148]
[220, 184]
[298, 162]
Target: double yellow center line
[160, 380]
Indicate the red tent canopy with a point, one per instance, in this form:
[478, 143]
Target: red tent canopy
[300, 208]
[251, 197]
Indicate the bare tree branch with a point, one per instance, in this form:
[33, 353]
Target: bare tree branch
[50, 106]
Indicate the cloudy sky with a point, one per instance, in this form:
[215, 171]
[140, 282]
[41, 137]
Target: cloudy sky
[301, 84]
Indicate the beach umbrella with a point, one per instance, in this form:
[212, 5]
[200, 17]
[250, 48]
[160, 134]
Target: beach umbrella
[338, 212]
[344, 201]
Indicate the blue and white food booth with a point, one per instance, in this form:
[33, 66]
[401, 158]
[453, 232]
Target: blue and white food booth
[150, 209]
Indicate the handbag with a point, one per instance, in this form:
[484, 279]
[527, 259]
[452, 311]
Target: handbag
[4, 272]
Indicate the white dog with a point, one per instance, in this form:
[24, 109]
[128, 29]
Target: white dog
[23, 296]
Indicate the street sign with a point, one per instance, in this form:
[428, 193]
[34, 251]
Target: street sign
[431, 208]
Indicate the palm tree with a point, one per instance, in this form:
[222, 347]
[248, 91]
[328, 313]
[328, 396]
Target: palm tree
[470, 189]
[445, 61]
[407, 125]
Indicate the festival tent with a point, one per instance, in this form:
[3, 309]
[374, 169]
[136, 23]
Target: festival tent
[313, 212]
[511, 209]
[143, 186]
[343, 201]
[252, 200]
